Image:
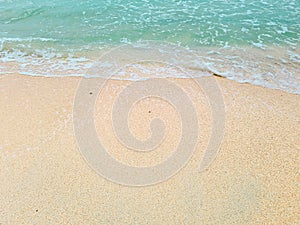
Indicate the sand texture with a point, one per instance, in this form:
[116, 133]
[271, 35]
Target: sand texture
[45, 179]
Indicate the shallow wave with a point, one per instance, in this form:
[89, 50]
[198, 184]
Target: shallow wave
[254, 41]
[273, 67]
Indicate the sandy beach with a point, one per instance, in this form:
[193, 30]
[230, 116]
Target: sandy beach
[45, 179]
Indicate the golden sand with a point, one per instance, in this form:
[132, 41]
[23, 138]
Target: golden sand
[45, 179]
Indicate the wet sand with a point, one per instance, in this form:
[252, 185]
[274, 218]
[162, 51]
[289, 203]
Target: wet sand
[45, 179]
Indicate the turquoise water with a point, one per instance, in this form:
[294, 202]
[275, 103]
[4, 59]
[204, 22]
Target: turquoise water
[71, 29]
[193, 23]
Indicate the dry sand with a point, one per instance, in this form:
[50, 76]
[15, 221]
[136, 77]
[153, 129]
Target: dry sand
[45, 179]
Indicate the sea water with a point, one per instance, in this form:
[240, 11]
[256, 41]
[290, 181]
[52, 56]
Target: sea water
[255, 41]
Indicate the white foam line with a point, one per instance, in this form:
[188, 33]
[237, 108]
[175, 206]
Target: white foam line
[27, 39]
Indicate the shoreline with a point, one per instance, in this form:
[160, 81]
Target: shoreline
[253, 179]
[273, 68]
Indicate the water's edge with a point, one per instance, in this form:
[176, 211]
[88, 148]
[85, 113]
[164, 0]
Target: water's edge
[276, 67]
